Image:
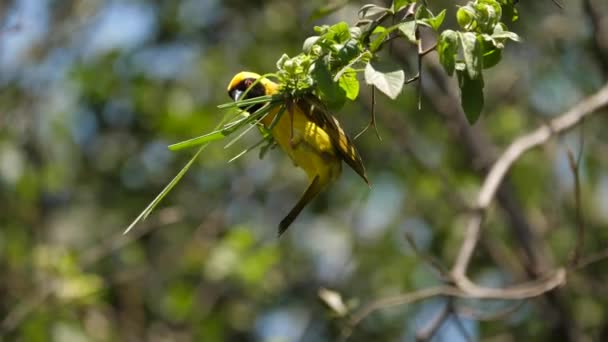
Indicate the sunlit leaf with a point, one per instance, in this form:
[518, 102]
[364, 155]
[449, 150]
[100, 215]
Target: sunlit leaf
[465, 16]
[371, 10]
[447, 47]
[398, 5]
[433, 21]
[338, 33]
[408, 29]
[350, 84]
[308, 43]
[472, 52]
[387, 77]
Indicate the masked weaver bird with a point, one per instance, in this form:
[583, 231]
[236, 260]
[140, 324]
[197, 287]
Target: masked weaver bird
[310, 136]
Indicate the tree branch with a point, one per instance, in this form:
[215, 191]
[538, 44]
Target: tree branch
[469, 291]
[499, 170]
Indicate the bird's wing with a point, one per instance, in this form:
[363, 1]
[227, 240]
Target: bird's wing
[317, 112]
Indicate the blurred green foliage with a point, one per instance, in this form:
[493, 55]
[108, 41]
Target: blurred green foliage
[94, 92]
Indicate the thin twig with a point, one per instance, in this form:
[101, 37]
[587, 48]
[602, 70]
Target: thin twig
[580, 239]
[462, 328]
[419, 83]
[403, 299]
[428, 259]
[491, 316]
[415, 78]
[592, 259]
[372, 122]
[427, 333]
[558, 4]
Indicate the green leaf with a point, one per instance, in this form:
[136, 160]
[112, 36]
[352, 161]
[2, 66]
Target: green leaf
[355, 32]
[348, 81]
[506, 35]
[488, 13]
[328, 91]
[387, 77]
[380, 35]
[363, 55]
[398, 5]
[321, 30]
[268, 131]
[348, 51]
[466, 17]
[447, 47]
[492, 51]
[209, 137]
[510, 11]
[491, 57]
[144, 214]
[471, 96]
[408, 29]
[338, 33]
[283, 59]
[371, 10]
[308, 43]
[433, 21]
[472, 51]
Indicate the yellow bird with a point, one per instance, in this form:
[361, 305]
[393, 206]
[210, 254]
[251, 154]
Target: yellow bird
[310, 136]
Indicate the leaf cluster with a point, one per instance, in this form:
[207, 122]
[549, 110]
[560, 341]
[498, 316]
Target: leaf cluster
[476, 46]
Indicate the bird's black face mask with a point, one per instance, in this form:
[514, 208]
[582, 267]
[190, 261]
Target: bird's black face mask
[256, 91]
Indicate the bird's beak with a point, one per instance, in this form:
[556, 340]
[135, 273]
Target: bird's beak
[236, 94]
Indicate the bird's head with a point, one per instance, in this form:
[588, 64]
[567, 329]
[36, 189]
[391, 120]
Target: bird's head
[243, 80]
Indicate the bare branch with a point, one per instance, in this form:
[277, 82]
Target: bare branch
[403, 299]
[499, 170]
[521, 291]
[467, 289]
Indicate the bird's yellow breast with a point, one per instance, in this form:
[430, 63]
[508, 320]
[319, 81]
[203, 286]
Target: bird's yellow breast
[307, 144]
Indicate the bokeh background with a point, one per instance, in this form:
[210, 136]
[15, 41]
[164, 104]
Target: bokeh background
[92, 92]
